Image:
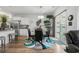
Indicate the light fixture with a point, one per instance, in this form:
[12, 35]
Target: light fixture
[40, 17]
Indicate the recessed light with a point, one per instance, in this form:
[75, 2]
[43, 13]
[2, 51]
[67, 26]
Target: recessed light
[40, 17]
[41, 6]
[0, 8]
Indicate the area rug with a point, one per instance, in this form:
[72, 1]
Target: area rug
[48, 42]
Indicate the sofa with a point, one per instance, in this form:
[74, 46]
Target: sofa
[72, 38]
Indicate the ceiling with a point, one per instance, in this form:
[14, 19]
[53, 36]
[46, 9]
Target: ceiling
[28, 9]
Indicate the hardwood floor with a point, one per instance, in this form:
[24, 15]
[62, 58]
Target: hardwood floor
[18, 47]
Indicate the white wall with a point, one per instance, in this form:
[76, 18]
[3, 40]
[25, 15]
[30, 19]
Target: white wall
[70, 11]
[26, 19]
[77, 18]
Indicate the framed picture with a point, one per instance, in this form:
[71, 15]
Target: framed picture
[70, 18]
[70, 23]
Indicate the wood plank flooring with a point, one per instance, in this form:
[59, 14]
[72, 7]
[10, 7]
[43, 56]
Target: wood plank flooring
[18, 47]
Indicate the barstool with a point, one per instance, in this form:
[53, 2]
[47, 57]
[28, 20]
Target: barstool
[11, 38]
[2, 39]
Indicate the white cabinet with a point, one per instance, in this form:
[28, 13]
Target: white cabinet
[23, 32]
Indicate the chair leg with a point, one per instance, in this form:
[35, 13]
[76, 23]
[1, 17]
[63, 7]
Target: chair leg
[3, 45]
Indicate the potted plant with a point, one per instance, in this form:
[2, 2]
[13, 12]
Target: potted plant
[3, 24]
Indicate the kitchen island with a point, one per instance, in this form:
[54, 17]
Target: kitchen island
[6, 33]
